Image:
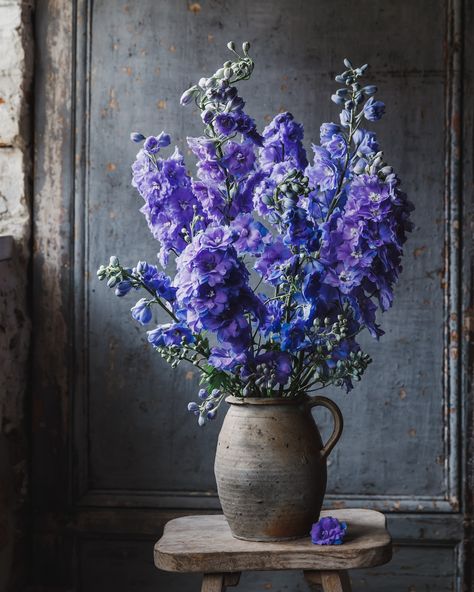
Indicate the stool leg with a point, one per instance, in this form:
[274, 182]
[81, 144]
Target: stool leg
[218, 582]
[231, 579]
[212, 582]
[313, 579]
[336, 581]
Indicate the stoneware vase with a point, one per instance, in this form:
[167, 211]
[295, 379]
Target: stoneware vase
[271, 466]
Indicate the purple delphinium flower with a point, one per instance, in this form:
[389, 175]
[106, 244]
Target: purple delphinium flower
[212, 200]
[269, 263]
[141, 312]
[170, 204]
[283, 140]
[154, 143]
[294, 335]
[300, 230]
[239, 158]
[251, 235]
[225, 359]
[324, 172]
[279, 362]
[123, 288]
[328, 531]
[366, 142]
[327, 131]
[170, 334]
[155, 280]
[373, 110]
[213, 287]
[225, 123]
[210, 171]
[337, 146]
[202, 147]
[330, 262]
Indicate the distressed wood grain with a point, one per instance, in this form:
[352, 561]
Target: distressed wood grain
[335, 581]
[205, 544]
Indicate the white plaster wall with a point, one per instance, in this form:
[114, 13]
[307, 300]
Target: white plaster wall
[16, 64]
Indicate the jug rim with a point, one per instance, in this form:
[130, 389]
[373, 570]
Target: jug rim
[232, 400]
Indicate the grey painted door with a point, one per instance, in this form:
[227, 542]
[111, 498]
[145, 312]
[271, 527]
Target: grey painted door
[115, 454]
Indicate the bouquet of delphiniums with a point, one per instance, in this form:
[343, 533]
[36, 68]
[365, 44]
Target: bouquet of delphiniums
[281, 261]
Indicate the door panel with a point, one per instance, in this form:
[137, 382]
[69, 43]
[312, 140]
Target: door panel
[108, 410]
[137, 405]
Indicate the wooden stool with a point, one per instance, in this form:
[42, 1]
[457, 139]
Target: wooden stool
[205, 544]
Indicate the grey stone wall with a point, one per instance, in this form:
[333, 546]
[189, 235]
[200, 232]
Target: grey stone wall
[16, 66]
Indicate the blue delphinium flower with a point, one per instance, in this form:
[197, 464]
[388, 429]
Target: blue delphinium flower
[212, 285]
[239, 158]
[283, 140]
[155, 280]
[280, 262]
[170, 334]
[170, 205]
[141, 312]
[373, 110]
[250, 234]
[328, 531]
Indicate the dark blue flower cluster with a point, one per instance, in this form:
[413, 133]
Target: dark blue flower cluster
[323, 237]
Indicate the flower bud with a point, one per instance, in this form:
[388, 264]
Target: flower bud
[202, 394]
[193, 406]
[337, 99]
[188, 95]
[112, 281]
[347, 63]
[201, 421]
[207, 116]
[137, 137]
[377, 162]
[141, 267]
[114, 262]
[245, 47]
[369, 90]
[231, 46]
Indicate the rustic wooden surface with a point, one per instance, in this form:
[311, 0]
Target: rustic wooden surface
[205, 544]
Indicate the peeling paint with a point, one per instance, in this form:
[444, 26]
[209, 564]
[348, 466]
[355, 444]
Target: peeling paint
[194, 7]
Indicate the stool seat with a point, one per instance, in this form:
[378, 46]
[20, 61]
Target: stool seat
[205, 544]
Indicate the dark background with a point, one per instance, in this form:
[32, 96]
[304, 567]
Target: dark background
[114, 452]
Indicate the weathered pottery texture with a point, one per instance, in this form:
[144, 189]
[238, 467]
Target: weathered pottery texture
[271, 466]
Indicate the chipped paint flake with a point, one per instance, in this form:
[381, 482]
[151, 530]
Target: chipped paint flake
[194, 7]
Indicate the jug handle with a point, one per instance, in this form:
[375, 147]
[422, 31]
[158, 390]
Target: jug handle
[338, 421]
